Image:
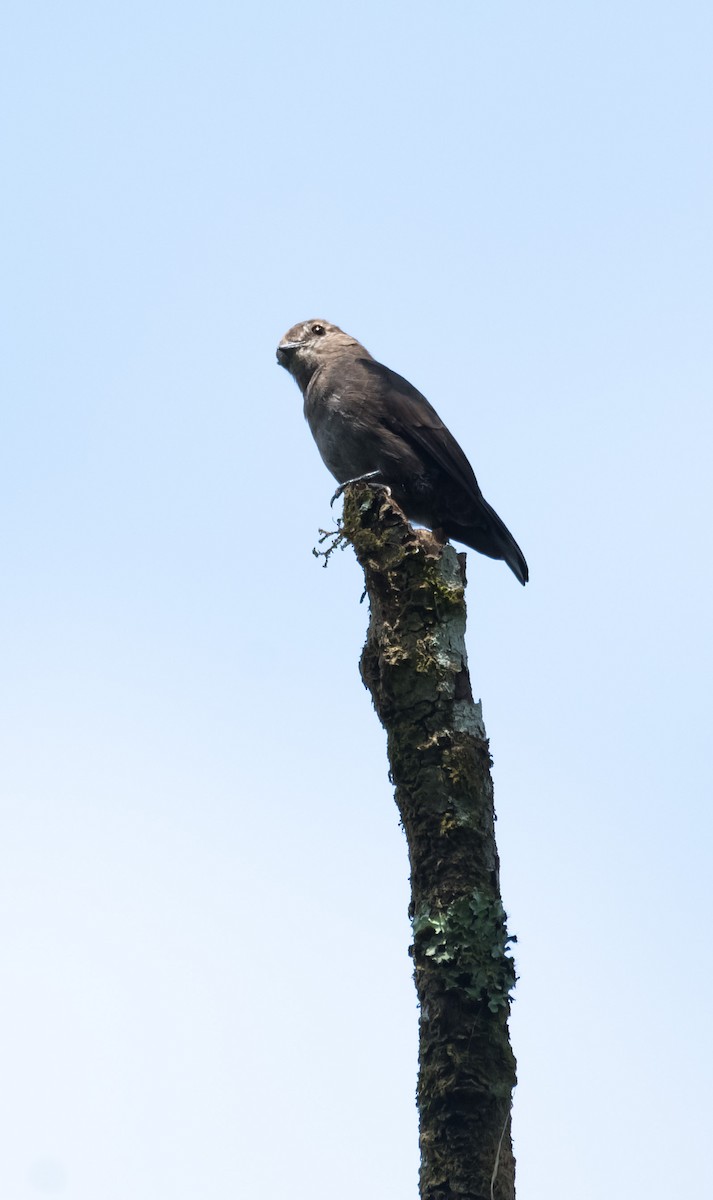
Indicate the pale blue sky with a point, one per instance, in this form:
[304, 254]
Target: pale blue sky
[203, 885]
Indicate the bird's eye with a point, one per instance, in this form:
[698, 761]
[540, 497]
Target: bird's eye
[318, 329]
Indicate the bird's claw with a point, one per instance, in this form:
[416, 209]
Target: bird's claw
[370, 475]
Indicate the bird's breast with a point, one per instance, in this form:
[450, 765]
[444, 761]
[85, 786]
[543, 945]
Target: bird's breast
[341, 431]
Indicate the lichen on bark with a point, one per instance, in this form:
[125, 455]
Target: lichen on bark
[414, 664]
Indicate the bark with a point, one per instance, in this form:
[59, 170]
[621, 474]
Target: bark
[414, 664]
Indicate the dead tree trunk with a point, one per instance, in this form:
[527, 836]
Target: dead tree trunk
[414, 664]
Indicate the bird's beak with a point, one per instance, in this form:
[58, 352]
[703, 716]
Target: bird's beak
[284, 352]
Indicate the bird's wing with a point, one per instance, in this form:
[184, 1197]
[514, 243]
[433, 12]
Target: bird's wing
[409, 415]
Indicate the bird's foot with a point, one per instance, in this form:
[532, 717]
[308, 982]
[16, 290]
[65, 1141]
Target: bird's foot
[370, 475]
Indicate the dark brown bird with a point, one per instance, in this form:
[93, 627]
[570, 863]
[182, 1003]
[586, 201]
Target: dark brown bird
[369, 421]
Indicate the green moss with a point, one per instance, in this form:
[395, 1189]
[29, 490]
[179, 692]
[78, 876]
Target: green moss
[468, 943]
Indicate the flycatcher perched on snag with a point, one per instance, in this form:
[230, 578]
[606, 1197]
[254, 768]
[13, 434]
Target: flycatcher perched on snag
[370, 423]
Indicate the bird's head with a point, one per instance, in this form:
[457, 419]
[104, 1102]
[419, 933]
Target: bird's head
[306, 346]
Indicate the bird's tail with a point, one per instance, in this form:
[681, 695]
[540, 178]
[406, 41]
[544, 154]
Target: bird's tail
[489, 535]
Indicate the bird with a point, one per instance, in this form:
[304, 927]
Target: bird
[370, 423]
